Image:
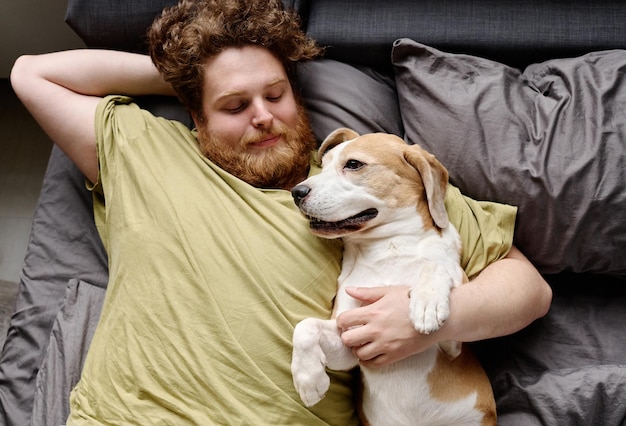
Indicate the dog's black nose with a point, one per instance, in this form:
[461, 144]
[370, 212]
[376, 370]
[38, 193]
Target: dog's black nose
[299, 192]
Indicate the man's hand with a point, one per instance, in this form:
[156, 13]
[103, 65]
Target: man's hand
[380, 332]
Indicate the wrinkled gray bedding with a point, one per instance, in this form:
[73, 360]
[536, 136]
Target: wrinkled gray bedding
[569, 368]
[63, 245]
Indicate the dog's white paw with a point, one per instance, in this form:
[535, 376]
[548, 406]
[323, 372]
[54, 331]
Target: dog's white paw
[428, 310]
[309, 376]
[308, 363]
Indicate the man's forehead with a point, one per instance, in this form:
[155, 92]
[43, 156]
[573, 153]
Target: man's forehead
[241, 91]
[241, 70]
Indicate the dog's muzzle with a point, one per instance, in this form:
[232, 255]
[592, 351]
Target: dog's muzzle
[352, 223]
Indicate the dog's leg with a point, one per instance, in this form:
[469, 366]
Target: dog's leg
[316, 345]
[430, 305]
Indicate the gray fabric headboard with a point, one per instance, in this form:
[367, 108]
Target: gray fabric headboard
[362, 31]
[513, 32]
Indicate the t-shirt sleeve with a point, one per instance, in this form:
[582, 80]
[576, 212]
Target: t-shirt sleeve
[486, 229]
[104, 134]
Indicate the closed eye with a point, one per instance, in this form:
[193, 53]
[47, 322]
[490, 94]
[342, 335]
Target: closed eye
[353, 165]
[235, 108]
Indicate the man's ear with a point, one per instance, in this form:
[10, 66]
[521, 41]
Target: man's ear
[336, 137]
[198, 119]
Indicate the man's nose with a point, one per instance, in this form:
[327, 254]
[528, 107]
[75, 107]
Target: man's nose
[262, 116]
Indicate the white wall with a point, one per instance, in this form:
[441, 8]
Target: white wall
[33, 26]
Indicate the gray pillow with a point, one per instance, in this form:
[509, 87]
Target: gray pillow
[340, 95]
[550, 140]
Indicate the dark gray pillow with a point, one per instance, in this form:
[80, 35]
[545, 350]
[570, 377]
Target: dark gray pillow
[550, 140]
[340, 95]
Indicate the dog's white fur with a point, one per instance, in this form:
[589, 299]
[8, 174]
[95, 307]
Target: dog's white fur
[407, 241]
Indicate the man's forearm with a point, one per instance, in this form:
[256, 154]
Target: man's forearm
[98, 72]
[507, 296]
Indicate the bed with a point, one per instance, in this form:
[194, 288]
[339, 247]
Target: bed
[523, 102]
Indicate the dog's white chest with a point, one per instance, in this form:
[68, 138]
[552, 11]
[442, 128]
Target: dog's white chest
[388, 262]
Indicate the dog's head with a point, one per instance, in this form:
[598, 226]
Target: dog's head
[370, 180]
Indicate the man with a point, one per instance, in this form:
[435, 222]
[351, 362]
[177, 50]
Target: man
[210, 263]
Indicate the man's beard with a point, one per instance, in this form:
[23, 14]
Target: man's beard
[281, 166]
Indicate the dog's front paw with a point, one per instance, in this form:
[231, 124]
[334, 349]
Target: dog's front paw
[309, 377]
[308, 363]
[428, 310]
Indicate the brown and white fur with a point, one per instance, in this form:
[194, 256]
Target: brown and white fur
[386, 200]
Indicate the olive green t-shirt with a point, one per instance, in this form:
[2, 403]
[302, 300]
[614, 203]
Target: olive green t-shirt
[208, 277]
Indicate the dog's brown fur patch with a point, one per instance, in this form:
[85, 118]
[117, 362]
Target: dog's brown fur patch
[451, 380]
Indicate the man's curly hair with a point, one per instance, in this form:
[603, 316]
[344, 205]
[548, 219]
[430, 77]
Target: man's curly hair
[186, 35]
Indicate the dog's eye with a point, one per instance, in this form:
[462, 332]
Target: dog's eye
[353, 165]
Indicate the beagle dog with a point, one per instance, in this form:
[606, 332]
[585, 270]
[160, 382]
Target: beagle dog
[385, 199]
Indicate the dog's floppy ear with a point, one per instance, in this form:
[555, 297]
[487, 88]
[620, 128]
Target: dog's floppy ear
[335, 138]
[435, 179]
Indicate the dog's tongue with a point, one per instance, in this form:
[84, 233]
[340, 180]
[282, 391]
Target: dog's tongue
[351, 223]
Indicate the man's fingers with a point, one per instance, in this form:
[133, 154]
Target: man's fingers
[364, 353]
[354, 337]
[367, 295]
[352, 318]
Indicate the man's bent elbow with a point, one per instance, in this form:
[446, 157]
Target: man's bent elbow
[544, 298]
[19, 72]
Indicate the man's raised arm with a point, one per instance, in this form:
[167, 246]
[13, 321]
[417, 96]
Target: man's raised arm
[62, 89]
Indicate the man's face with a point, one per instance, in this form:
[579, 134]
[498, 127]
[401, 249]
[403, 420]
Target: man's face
[253, 126]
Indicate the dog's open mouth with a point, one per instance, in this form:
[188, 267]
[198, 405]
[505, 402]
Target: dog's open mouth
[352, 223]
